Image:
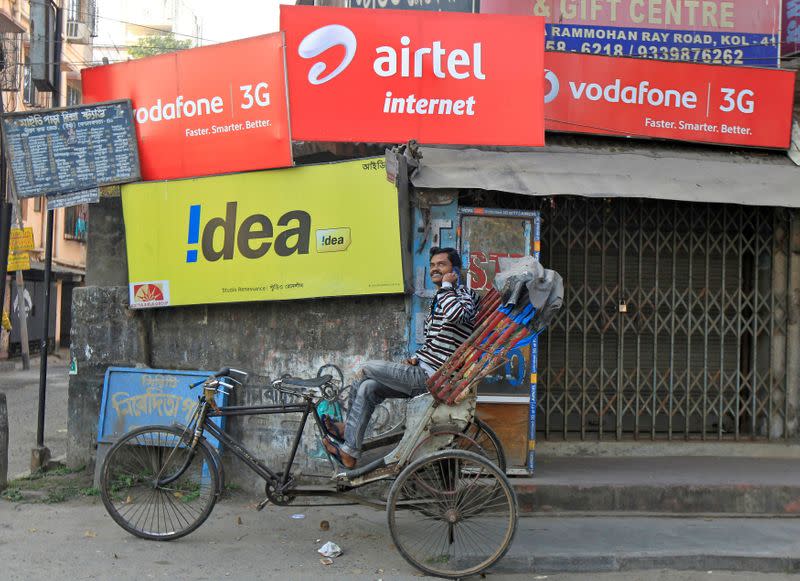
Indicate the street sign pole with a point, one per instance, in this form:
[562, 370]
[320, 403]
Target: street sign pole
[40, 456]
[5, 219]
[48, 268]
[5, 234]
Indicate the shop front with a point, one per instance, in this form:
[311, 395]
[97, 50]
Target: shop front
[678, 268]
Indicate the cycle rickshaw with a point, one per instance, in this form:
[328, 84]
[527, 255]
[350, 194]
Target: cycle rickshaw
[451, 509]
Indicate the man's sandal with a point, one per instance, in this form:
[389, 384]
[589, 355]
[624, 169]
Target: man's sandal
[331, 428]
[333, 449]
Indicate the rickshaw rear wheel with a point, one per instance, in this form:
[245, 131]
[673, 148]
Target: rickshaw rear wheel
[487, 443]
[452, 513]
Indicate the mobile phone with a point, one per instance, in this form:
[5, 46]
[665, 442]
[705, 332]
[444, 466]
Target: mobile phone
[458, 274]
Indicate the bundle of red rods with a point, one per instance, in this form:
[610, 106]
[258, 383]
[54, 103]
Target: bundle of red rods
[483, 352]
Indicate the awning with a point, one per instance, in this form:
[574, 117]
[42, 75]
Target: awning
[626, 171]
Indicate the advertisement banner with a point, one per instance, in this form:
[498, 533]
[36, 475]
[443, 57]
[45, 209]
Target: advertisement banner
[19, 261]
[745, 32]
[21, 240]
[791, 27]
[362, 75]
[638, 98]
[312, 231]
[204, 111]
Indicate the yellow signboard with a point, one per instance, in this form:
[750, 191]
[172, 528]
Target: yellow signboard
[313, 231]
[19, 261]
[21, 239]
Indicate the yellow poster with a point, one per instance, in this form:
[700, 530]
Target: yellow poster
[21, 239]
[19, 261]
[313, 231]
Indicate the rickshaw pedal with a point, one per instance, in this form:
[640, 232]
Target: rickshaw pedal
[262, 504]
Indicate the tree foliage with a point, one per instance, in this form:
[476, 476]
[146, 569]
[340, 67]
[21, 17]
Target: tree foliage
[154, 44]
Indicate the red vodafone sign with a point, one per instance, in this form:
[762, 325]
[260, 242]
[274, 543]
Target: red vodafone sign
[687, 102]
[204, 111]
[362, 75]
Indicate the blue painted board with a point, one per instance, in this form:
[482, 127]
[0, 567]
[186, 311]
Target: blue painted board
[141, 397]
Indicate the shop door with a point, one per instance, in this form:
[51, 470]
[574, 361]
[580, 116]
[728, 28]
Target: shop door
[674, 323]
[486, 235]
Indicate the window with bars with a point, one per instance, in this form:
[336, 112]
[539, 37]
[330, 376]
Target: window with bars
[28, 88]
[73, 96]
[76, 223]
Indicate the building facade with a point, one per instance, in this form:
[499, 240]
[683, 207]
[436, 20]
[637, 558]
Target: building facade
[70, 224]
[680, 323]
[122, 24]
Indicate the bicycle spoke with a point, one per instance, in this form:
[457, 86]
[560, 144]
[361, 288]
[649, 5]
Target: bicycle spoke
[137, 503]
[461, 517]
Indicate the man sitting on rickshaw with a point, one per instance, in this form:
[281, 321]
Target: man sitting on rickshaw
[449, 323]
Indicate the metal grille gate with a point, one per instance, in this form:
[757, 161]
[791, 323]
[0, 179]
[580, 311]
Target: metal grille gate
[675, 321]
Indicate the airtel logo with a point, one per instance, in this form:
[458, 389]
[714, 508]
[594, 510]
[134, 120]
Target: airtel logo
[406, 62]
[323, 39]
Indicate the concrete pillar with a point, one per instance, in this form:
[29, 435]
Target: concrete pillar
[3, 442]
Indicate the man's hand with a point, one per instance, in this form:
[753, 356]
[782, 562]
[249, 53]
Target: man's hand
[450, 277]
[411, 361]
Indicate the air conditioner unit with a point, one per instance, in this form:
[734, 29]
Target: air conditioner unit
[78, 32]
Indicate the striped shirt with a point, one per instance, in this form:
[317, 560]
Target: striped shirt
[449, 323]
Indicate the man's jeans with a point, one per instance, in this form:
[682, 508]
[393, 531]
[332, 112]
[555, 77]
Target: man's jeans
[381, 379]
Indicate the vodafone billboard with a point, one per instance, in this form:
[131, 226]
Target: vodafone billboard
[362, 75]
[641, 98]
[204, 111]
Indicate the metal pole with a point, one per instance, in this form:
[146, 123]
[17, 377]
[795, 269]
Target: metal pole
[48, 268]
[41, 454]
[5, 218]
[5, 233]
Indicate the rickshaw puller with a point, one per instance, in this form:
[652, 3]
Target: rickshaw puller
[450, 322]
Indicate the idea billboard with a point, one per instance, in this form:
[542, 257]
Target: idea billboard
[391, 76]
[204, 111]
[311, 231]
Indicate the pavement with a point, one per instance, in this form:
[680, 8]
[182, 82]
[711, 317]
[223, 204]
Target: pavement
[78, 540]
[669, 519]
[22, 394]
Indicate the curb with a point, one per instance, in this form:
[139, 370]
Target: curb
[683, 499]
[614, 563]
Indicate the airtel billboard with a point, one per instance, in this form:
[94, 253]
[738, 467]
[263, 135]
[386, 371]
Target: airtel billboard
[637, 98]
[204, 111]
[362, 75]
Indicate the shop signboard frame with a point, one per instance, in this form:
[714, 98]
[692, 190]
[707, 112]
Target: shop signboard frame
[742, 33]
